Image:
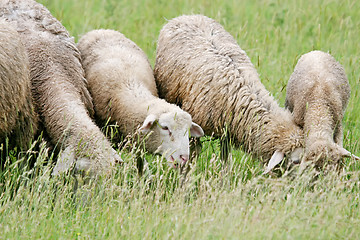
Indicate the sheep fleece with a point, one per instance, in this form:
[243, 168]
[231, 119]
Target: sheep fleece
[18, 120]
[200, 67]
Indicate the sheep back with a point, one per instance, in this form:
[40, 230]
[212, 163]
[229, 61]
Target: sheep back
[118, 78]
[316, 76]
[39, 31]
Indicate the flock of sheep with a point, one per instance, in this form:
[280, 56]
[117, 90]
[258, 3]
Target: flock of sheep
[202, 83]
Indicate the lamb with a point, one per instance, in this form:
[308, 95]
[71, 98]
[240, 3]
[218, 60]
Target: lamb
[18, 120]
[200, 67]
[123, 88]
[317, 93]
[61, 98]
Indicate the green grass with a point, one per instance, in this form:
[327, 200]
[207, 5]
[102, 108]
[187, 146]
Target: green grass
[211, 203]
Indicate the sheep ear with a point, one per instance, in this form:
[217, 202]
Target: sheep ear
[276, 158]
[196, 130]
[346, 153]
[355, 157]
[148, 123]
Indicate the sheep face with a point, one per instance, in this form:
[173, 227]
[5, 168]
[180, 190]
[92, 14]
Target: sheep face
[170, 134]
[321, 152]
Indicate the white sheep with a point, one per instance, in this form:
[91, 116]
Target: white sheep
[59, 88]
[121, 82]
[317, 93]
[18, 120]
[200, 67]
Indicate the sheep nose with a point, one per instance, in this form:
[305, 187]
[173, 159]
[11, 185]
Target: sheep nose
[296, 161]
[184, 158]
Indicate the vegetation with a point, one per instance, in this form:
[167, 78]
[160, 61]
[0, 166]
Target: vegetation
[210, 203]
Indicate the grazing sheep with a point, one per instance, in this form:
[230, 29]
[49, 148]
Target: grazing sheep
[317, 94]
[59, 88]
[200, 67]
[122, 85]
[18, 120]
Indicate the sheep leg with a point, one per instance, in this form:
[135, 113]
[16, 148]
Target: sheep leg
[195, 148]
[68, 124]
[140, 165]
[225, 148]
[338, 135]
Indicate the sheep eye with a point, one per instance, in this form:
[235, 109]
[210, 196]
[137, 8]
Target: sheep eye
[165, 128]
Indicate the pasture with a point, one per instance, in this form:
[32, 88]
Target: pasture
[240, 203]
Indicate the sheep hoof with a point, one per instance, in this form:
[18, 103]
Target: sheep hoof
[117, 158]
[65, 160]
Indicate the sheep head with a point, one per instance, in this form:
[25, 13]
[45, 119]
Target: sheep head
[288, 139]
[321, 152]
[170, 134]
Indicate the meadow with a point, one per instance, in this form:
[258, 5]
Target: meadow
[239, 203]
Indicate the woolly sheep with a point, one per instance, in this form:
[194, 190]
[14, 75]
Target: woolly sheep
[123, 88]
[200, 67]
[18, 120]
[59, 88]
[317, 94]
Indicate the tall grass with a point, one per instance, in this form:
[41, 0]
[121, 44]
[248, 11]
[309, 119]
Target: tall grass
[211, 203]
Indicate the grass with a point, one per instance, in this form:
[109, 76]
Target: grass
[211, 203]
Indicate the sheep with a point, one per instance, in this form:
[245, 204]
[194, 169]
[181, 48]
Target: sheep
[122, 84]
[61, 98]
[18, 120]
[317, 94]
[200, 67]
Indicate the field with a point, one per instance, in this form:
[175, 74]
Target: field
[239, 203]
